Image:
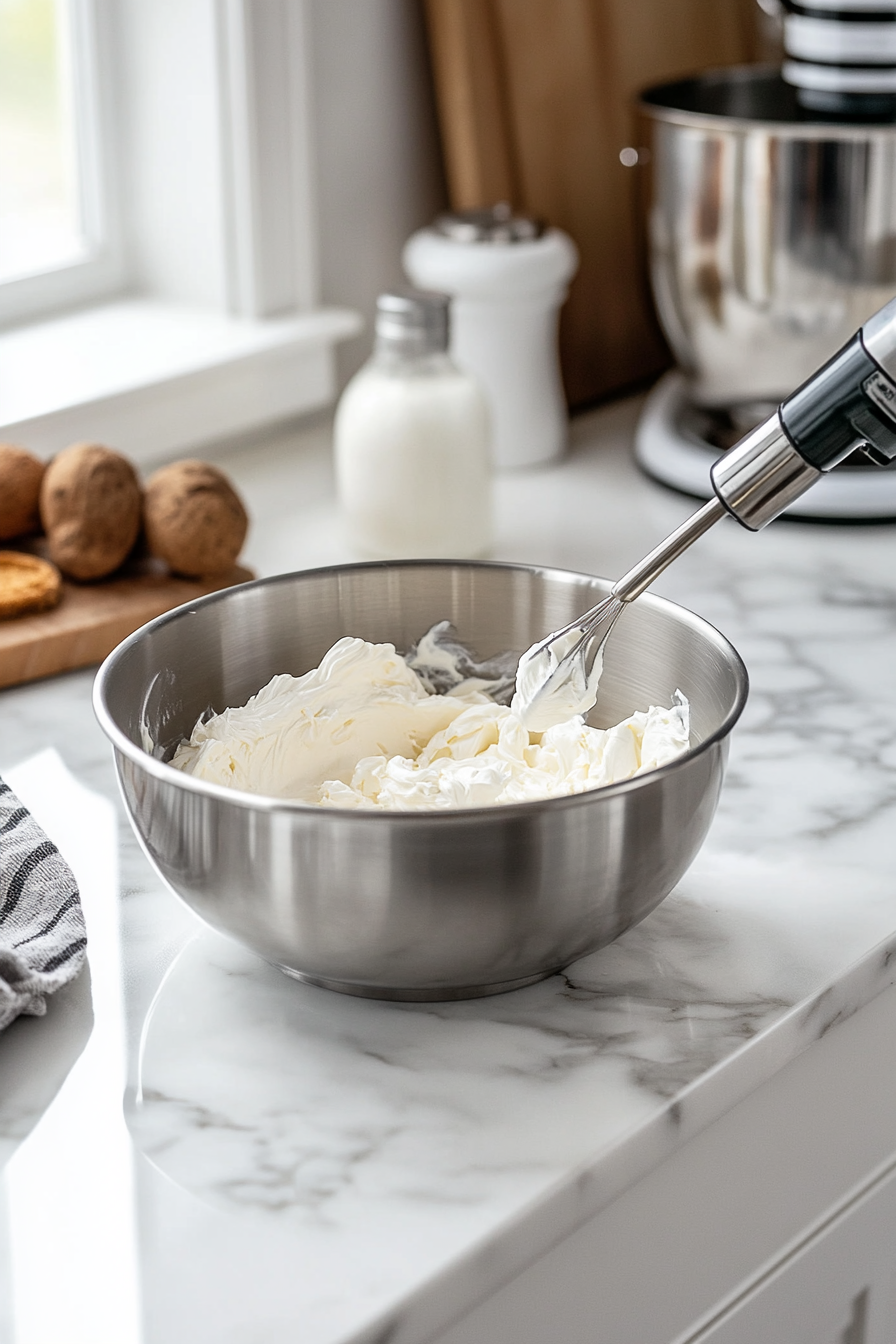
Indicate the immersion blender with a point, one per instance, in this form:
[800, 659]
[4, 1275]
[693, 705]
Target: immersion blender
[848, 405]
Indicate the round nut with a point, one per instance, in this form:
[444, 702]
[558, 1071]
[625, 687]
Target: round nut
[27, 584]
[20, 476]
[194, 519]
[90, 508]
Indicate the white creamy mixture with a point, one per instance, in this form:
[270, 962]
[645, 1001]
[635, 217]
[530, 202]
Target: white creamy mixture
[540, 708]
[363, 731]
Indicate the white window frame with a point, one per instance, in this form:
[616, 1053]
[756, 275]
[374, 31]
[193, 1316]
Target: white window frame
[267, 120]
[206, 116]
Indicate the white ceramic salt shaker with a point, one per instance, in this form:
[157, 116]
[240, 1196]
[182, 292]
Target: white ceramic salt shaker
[412, 440]
[508, 278]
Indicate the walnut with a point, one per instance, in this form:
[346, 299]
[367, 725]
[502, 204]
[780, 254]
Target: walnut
[90, 509]
[20, 477]
[194, 519]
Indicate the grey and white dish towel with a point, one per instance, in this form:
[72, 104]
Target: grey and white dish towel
[43, 940]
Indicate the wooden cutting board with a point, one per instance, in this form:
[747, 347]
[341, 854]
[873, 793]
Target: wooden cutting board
[93, 617]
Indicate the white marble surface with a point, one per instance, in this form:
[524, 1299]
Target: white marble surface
[293, 1164]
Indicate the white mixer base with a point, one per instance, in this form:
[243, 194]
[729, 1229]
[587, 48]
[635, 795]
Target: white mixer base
[673, 454]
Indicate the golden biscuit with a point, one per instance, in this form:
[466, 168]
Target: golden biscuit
[27, 584]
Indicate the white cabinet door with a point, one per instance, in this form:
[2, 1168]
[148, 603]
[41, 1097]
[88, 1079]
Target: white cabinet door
[838, 1288]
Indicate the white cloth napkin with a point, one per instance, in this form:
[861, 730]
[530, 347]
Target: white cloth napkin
[43, 940]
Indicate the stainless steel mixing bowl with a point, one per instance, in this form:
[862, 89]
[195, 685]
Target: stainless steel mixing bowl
[772, 231]
[415, 905]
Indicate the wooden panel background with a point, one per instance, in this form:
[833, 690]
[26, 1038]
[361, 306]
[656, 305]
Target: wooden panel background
[536, 98]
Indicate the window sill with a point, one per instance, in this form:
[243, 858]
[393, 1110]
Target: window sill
[153, 379]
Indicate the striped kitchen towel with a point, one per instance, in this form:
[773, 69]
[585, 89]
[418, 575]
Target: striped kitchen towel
[42, 934]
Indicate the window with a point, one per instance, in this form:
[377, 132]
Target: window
[40, 224]
[197, 114]
[57, 243]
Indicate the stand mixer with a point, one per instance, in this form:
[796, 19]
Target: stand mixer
[771, 239]
[848, 405]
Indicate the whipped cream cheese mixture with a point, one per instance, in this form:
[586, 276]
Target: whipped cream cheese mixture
[364, 730]
[541, 706]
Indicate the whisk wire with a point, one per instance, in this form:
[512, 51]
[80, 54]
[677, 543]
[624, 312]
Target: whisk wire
[586, 649]
[596, 624]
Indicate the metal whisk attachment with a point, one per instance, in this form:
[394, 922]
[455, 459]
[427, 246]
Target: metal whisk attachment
[558, 677]
[849, 404]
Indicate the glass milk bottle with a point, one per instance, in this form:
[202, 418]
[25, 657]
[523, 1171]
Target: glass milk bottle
[413, 467]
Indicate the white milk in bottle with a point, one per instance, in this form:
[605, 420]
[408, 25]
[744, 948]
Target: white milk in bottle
[413, 465]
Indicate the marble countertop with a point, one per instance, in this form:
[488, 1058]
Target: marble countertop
[291, 1160]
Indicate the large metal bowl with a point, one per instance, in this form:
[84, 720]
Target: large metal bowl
[771, 231]
[415, 905]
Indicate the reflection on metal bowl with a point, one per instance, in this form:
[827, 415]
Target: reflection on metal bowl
[772, 234]
[415, 905]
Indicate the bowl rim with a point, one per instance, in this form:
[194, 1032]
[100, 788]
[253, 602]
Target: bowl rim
[660, 102]
[166, 773]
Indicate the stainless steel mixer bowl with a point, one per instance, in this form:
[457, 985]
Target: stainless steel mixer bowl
[772, 232]
[415, 905]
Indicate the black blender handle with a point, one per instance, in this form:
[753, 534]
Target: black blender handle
[848, 404]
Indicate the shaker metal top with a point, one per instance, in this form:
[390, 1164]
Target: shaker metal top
[497, 224]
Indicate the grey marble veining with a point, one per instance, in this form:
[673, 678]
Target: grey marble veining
[367, 1169]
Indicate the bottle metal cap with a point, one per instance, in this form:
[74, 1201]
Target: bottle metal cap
[414, 321]
[498, 224]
